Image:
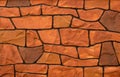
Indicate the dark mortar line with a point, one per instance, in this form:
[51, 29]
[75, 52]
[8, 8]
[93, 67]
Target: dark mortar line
[20, 12]
[5, 4]
[103, 71]
[89, 37]
[95, 8]
[25, 38]
[47, 71]
[60, 57]
[84, 4]
[14, 71]
[83, 71]
[57, 3]
[39, 37]
[41, 13]
[70, 25]
[29, 2]
[78, 53]
[77, 14]
[52, 22]
[103, 26]
[60, 36]
[31, 73]
[109, 4]
[12, 23]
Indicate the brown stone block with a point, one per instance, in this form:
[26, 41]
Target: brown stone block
[114, 5]
[3, 2]
[117, 50]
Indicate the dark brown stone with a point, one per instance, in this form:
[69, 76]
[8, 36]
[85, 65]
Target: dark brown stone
[111, 20]
[18, 3]
[108, 56]
[30, 55]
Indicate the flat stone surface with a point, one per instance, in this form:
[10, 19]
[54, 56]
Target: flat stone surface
[114, 5]
[3, 2]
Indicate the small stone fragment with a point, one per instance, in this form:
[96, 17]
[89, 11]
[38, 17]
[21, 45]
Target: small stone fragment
[114, 5]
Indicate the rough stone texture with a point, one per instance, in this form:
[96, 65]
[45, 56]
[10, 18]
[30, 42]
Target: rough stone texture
[108, 56]
[16, 37]
[31, 68]
[90, 15]
[34, 22]
[114, 5]
[91, 52]
[68, 61]
[49, 58]
[50, 36]
[3, 2]
[9, 55]
[30, 55]
[93, 72]
[76, 37]
[110, 20]
[7, 71]
[62, 71]
[62, 21]
[64, 50]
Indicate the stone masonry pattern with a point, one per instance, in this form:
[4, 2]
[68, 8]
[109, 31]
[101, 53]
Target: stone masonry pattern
[59, 38]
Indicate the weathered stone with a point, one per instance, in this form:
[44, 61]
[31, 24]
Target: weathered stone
[77, 23]
[110, 20]
[91, 52]
[114, 5]
[33, 39]
[90, 15]
[7, 71]
[30, 55]
[76, 37]
[64, 50]
[49, 58]
[34, 22]
[108, 56]
[51, 10]
[9, 55]
[50, 36]
[62, 71]
[31, 68]
[3, 2]
[62, 21]
[71, 3]
[68, 61]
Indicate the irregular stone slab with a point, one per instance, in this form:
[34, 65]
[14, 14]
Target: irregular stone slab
[51, 10]
[72, 4]
[30, 55]
[8, 12]
[5, 23]
[108, 56]
[93, 72]
[33, 39]
[64, 50]
[77, 23]
[7, 71]
[31, 68]
[68, 61]
[112, 72]
[16, 37]
[35, 22]
[50, 36]
[49, 58]
[18, 3]
[90, 15]
[114, 5]
[89, 52]
[3, 2]
[110, 20]
[9, 55]
[75, 37]
[61, 71]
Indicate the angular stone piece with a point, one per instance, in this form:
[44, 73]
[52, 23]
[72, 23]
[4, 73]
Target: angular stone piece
[33, 10]
[9, 12]
[108, 56]
[30, 55]
[16, 37]
[64, 50]
[62, 21]
[3, 2]
[110, 20]
[114, 5]
[49, 58]
[62, 71]
[9, 55]
[103, 36]
[31, 68]
[71, 3]
[18, 3]
[75, 37]
[90, 15]
[35, 22]
[5, 23]
[77, 23]
[33, 39]
[50, 36]
[51, 10]
[93, 72]
[104, 4]
[89, 52]
[68, 61]
[7, 71]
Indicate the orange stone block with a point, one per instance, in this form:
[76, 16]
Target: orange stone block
[64, 50]
[114, 5]
[33, 22]
[3, 2]
[50, 36]
[90, 15]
